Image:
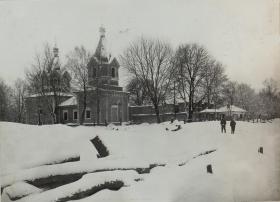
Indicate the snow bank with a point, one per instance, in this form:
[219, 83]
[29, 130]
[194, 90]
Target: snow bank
[19, 190]
[240, 173]
[27, 146]
[87, 182]
[69, 168]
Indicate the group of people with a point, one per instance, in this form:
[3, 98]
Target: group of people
[232, 125]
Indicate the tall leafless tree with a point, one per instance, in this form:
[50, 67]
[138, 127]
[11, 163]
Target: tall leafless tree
[214, 78]
[245, 96]
[5, 101]
[138, 94]
[48, 80]
[229, 92]
[269, 96]
[77, 62]
[191, 60]
[150, 61]
[19, 95]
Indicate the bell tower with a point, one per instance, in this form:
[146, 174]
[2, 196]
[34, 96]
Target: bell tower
[103, 68]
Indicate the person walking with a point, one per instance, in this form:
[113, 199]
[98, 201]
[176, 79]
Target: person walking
[232, 125]
[223, 124]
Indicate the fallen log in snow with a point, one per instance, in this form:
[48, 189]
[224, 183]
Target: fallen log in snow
[52, 175]
[88, 185]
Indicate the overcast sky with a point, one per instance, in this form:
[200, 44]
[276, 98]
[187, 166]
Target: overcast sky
[242, 34]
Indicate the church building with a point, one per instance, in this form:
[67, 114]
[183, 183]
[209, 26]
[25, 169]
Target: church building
[106, 100]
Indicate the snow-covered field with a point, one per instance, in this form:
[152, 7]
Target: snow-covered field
[147, 162]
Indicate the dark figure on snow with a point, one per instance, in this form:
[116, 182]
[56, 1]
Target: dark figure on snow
[223, 124]
[232, 126]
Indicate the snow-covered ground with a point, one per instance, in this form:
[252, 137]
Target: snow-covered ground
[240, 172]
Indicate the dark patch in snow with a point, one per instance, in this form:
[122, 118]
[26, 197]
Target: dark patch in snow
[138, 179]
[143, 170]
[100, 147]
[147, 170]
[113, 185]
[179, 127]
[201, 154]
[71, 159]
[138, 170]
[156, 165]
[182, 164]
[55, 181]
[205, 153]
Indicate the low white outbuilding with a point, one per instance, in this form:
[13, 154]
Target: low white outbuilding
[232, 111]
[226, 111]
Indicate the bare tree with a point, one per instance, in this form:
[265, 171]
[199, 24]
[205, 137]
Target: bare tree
[214, 78]
[245, 96]
[229, 92]
[77, 62]
[47, 80]
[269, 96]
[20, 93]
[5, 101]
[191, 61]
[138, 94]
[150, 61]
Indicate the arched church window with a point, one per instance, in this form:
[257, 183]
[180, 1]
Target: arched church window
[113, 73]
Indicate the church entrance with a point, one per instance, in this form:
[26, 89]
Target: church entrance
[114, 113]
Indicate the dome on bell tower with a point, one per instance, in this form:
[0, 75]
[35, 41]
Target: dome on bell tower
[103, 69]
[101, 52]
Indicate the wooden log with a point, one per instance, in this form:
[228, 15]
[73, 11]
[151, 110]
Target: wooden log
[100, 147]
[209, 169]
[260, 150]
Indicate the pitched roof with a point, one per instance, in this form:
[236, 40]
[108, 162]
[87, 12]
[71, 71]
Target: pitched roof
[51, 94]
[101, 50]
[232, 108]
[69, 102]
[209, 111]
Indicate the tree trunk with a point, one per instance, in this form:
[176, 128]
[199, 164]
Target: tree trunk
[157, 112]
[53, 117]
[191, 95]
[190, 107]
[82, 118]
[185, 110]
[82, 115]
[208, 100]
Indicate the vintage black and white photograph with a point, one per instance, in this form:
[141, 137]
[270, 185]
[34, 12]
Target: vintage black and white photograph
[139, 100]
